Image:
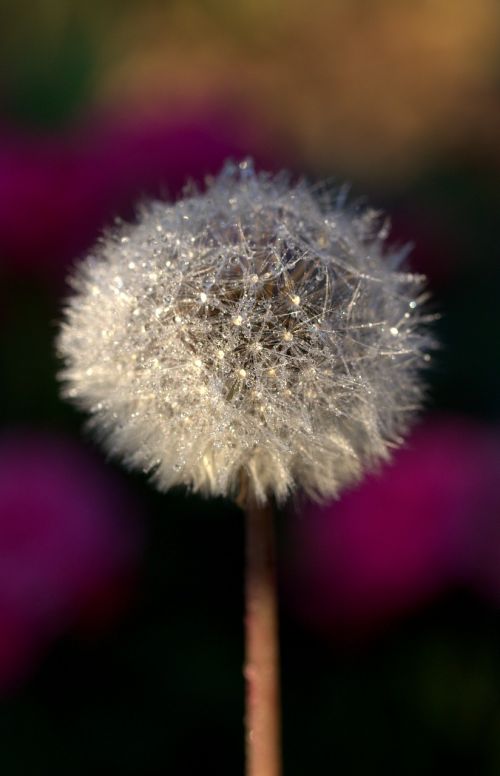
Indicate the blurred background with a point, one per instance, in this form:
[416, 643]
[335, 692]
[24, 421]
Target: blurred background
[121, 640]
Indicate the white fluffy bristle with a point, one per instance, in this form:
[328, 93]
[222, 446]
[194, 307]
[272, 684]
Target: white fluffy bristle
[251, 329]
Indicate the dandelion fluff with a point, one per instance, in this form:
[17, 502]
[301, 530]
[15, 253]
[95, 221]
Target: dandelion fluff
[257, 329]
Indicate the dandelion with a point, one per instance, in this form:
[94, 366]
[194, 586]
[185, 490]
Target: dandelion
[248, 341]
[250, 329]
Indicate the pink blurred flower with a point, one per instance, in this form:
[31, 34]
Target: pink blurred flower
[69, 546]
[429, 521]
[57, 192]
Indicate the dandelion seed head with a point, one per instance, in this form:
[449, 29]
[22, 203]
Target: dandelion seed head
[253, 328]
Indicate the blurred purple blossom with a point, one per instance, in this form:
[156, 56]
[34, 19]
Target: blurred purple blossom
[428, 522]
[70, 545]
[56, 192]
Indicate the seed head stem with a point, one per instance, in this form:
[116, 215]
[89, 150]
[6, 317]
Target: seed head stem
[262, 718]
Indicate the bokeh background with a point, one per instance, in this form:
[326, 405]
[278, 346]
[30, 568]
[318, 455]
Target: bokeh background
[120, 611]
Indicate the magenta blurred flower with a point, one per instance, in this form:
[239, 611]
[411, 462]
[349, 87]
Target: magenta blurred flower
[56, 192]
[70, 545]
[427, 522]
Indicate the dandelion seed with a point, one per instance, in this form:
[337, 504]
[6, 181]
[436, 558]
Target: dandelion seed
[280, 265]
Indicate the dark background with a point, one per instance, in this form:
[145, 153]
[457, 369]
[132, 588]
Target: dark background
[121, 610]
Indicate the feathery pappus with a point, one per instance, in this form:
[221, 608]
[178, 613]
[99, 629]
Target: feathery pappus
[257, 328]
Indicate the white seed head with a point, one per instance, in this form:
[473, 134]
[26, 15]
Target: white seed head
[256, 329]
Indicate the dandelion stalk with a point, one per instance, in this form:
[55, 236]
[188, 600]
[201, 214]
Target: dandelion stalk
[262, 712]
